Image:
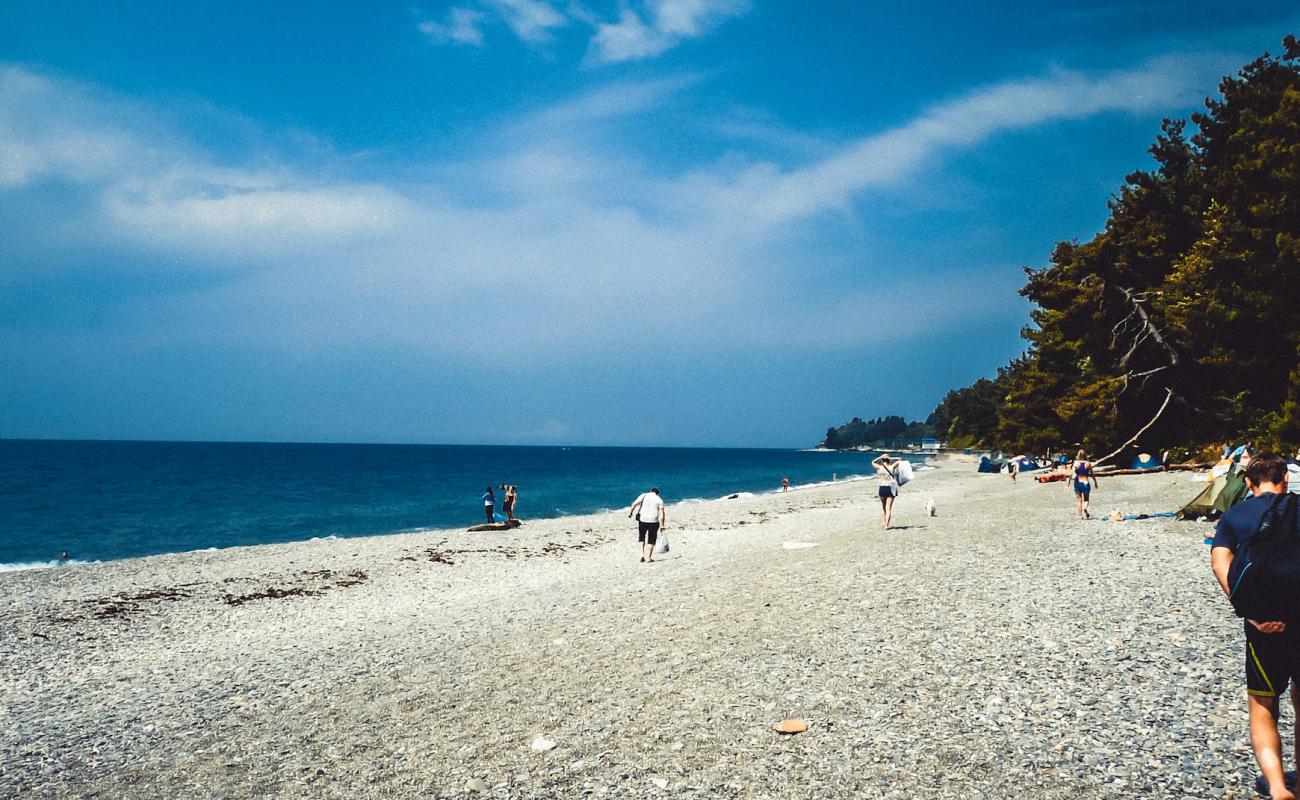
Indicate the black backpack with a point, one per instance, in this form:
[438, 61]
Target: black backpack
[1264, 578]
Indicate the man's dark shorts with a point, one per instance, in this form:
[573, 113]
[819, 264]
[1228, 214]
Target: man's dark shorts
[647, 532]
[1272, 660]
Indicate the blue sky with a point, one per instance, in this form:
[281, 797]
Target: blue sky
[680, 222]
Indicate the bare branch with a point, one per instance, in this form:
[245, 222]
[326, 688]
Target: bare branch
[1169, 394]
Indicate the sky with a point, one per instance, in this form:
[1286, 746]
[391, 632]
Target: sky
[647, 222]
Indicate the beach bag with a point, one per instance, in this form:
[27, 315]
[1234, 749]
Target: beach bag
[904, 472]
[1264, 578]
[661, 544]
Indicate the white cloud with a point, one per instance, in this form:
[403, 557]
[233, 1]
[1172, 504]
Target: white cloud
[665, 24]
[536, 241]
[463, 26]
[660, 26]
[531, 20]
[766, 194]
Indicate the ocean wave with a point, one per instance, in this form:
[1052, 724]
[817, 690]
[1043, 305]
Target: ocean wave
[20, 566]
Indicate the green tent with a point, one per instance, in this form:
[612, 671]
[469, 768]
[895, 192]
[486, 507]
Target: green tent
[1221, 494]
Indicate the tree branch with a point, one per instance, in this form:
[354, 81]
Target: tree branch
[1169, 395]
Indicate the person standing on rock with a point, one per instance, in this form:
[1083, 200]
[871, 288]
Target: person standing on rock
[1272, 647]
[887, 473]
[650, 518]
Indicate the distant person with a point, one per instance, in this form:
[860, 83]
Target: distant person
[1013, 467]
[1272, 646]
[650, 519]
[785, 483]
[1082, 471]
[508, 502]
[887, 471]
[65, 555]
[490, 504]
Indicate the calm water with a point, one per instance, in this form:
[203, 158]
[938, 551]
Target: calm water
[106, 500]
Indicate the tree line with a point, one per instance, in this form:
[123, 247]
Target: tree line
[1178, 325]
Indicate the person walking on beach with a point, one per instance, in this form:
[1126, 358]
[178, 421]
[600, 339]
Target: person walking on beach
[1082, 470]
[508, 502]
[887, 473]
[1013, 466]
[489, 504]
[650, 519]
[785, 483]
[1273, 646]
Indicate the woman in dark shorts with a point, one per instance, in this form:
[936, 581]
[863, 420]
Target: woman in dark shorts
[886, 472]
[1082, 473]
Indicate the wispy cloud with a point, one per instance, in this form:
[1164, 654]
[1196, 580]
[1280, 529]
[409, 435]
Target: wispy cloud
[638, 33]
[462, 26]
[766, 194]
[572, 220]
[662, 25]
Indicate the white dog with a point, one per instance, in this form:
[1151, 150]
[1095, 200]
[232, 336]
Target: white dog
[930, 510]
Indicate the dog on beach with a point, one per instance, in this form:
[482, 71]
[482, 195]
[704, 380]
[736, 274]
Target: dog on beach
[930, 510]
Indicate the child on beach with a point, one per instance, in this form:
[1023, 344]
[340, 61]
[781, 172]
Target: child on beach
[1082, 470]
[885, 471]
[1272, 647]
[489, 504]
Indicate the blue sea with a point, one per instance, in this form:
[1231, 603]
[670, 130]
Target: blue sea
[108, 500]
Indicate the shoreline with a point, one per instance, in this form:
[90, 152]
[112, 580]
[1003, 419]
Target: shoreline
[56, 564]
[412, 665]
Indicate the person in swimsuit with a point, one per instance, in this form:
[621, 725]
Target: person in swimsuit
[886, 471]
[785, 483]
[1082, 491]
[508, 502]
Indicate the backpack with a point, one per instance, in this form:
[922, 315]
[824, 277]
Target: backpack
[1264, 577]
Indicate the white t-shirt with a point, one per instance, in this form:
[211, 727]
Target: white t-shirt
[650, 505]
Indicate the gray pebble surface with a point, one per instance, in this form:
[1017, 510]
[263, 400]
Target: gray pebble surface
[1002, 648]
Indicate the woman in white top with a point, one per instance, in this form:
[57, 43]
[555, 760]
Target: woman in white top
[887, 472]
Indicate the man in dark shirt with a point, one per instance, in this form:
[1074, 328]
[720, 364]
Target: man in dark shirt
[1272, 647]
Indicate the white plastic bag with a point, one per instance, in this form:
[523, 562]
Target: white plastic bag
[661, 544]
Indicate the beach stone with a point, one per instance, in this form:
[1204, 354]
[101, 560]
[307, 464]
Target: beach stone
[476, 785]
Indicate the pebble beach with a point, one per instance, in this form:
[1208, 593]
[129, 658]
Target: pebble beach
[1001, 648]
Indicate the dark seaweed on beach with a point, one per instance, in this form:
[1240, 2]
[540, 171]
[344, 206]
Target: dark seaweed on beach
[124, 605]
[444, 555]
[340, 581]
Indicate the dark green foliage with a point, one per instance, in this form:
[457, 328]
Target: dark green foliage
[857, 433]
[1192, 293]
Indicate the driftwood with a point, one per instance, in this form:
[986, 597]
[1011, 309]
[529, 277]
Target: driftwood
[1147, 471]
[496, 526]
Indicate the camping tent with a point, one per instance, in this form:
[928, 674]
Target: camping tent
[1145, 461]
[990, 465]
[1222, 493]
[1028, 464]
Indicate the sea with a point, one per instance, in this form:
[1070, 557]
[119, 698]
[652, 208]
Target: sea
[103, 500]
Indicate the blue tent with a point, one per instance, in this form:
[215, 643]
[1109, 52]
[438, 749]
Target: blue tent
[1145, 461]
[989, 465]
